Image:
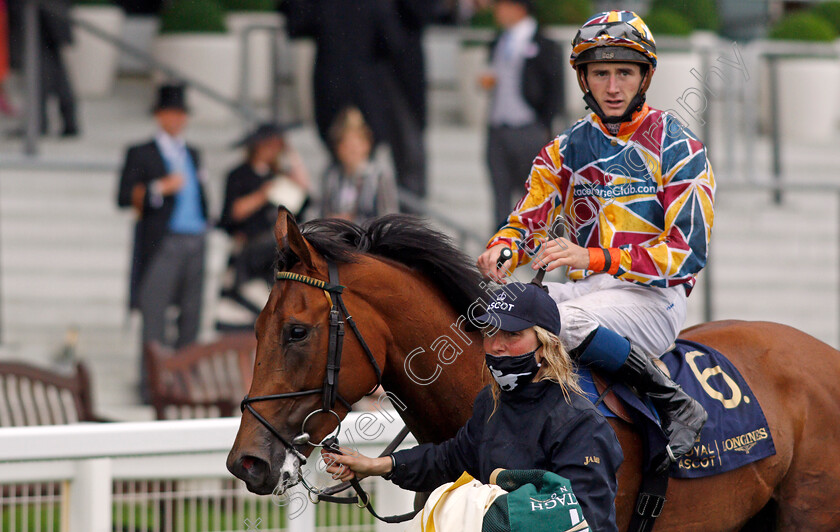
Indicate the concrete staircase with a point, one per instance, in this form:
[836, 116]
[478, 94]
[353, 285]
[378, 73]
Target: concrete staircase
[64, 246]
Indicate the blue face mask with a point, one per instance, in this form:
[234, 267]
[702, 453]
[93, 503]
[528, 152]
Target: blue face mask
[512, 372]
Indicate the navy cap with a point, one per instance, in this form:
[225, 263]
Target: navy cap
[518, 306]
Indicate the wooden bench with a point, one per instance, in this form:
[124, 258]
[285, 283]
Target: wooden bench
[202, 379]
[31, 395]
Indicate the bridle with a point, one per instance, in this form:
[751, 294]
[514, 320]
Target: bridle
[329, 391]
[329, 394]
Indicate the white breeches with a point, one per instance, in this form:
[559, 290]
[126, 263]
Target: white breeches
[649, 317]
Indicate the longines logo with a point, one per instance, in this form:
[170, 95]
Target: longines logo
[745, 442]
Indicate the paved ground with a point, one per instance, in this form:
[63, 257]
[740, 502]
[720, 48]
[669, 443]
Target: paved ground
[64, 246]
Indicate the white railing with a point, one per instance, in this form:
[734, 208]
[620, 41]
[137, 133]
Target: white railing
[170, 476]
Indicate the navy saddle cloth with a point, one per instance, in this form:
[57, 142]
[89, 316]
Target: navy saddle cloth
[736, 432]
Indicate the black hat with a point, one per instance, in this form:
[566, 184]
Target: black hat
[264, 131]
[518, 306]
[171, 96]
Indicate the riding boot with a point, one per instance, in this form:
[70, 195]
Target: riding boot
[682, 416]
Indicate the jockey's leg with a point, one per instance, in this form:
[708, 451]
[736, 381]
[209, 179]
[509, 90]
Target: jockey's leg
[601, 315]
[682, 416]
[649, 317]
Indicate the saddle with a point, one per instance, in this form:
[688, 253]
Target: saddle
[607, 395]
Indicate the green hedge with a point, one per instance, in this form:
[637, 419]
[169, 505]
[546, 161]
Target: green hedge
[830, 12]
[803, 26]
[563, 12]
[667, 22]
[483, 19]
[249, 5]
[700, 14]
[193, 16]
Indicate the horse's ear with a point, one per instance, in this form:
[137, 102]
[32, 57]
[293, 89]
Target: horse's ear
[288, 236]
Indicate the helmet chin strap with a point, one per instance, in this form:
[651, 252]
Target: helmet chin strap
[635, 105]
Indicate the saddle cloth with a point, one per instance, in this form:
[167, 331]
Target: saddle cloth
[736, 432]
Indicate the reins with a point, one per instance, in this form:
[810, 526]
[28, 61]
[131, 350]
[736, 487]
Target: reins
[338, 315]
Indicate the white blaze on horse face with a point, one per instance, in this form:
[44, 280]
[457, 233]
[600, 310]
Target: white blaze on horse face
[289, 473]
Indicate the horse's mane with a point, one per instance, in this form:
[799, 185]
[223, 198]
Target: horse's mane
[404, 239]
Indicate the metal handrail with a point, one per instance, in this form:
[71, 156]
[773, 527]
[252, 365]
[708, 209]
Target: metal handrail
[245, 67]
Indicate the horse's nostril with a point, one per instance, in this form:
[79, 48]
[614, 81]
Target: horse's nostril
[286, 477]
[254, 467]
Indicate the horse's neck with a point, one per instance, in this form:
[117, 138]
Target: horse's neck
[433, 367]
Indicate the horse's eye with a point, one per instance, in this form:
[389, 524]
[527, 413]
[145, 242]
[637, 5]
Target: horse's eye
[297, 333]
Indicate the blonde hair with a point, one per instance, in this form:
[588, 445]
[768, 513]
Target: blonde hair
[557, 366]
[349, 119]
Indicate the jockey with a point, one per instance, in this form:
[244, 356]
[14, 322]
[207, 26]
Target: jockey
[532, 416]
[635, 192]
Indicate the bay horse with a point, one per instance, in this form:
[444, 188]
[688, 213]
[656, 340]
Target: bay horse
[409, 291]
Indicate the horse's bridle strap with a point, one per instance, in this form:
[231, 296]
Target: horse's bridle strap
[328, 288]
[337, 316]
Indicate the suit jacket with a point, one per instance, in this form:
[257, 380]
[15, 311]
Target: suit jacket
[143, 164]
[56, 29]
[410, 69]
[542, 78]
[357, 42]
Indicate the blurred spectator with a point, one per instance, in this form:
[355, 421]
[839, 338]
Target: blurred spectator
[163, 182]
[354, 187]
[56, 33]
[526, 95]
[272, 175]
[5, 105]
[370, 56]
[352, 39]
[407, 96]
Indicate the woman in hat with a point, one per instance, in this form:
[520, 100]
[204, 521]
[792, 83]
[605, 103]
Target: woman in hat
[532, 416]
[272, 175]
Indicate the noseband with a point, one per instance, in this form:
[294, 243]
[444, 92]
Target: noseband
[337, 316]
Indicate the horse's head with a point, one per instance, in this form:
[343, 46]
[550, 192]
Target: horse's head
[295, 400]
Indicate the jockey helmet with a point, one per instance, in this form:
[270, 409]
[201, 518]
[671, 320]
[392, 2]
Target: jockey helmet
[618, 37]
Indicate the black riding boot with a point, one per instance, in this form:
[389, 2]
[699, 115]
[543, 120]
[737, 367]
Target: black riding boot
[682, 416]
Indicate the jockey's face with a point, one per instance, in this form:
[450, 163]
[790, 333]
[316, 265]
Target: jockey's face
[613, 85]
[508, 344]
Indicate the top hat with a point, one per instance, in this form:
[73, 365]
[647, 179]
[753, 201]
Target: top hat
[171, 96]
[264, 131]
[518, 306]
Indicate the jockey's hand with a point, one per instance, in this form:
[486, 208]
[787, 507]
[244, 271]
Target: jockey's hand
[561, 252]
[343, 467]
[487, 264]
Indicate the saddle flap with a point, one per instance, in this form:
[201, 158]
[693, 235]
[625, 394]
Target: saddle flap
[610, 400]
